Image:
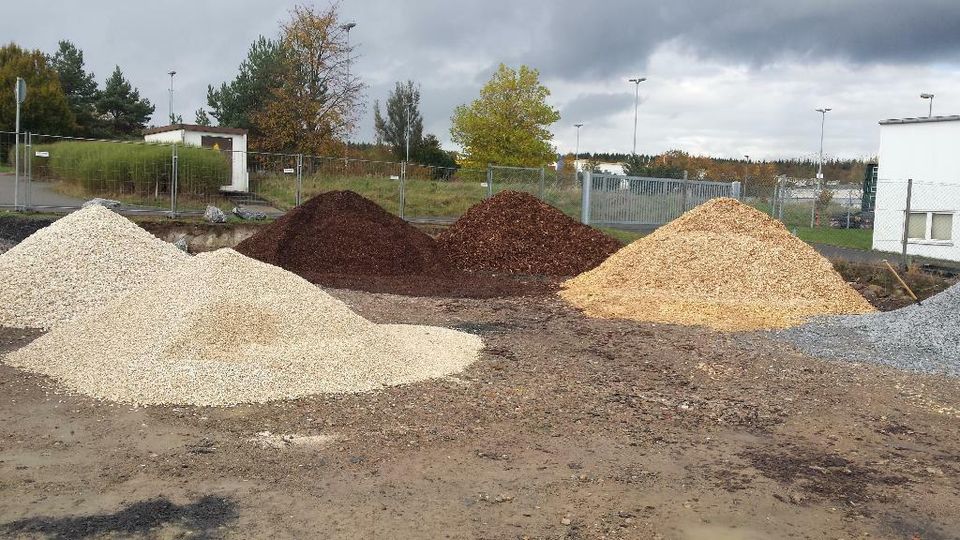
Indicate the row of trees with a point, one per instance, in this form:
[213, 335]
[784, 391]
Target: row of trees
[672, 164]
[63, 98]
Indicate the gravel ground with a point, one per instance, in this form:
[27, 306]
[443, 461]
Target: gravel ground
[723, 265]
[77, 264]
[566, 427]
[223, 329]
[924, 338]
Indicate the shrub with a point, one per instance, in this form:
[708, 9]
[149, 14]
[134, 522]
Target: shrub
[108, 168]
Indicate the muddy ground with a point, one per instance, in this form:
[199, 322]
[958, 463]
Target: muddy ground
[567, 427]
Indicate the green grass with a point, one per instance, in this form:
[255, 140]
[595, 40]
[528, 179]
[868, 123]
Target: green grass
[852, 238]
[6, 168]
[422, 198]
[625, 237]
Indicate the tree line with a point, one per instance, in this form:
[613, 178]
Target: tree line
[64, 99]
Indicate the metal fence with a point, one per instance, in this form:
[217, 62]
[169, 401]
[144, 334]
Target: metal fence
[61, 173]
[917, 220]
[614, 200]
[805, 203]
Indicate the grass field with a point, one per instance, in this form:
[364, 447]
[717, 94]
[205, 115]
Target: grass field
[852, 238]
[422, 198]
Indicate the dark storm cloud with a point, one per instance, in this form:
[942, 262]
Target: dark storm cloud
[584, 50]
[595, 39]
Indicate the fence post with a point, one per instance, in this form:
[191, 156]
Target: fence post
[683, 189]
[489, 180]
[542, 182]
[403, 186]
[906, 223]
[736, 191]
[28, 192]
[299, 179]
[849, 203]
[174, 166]
[585, 189]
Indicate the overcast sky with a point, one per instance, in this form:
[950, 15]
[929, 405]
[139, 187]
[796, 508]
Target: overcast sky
[726, 78]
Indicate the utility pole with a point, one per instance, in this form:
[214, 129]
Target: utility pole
[576, 154]
[171, 73]
[636, 104]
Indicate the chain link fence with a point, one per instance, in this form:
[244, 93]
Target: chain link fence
[916, 221]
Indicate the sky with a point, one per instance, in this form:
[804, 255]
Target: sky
[725, 78]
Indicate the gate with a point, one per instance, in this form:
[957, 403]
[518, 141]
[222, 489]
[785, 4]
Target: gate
[609, 199]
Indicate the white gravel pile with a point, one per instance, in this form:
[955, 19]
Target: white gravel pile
[225, 329]
[76, 264]
[924, 338]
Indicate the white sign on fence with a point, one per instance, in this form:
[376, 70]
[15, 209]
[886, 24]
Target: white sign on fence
[394, 177]
[289, 171]
[42, 154]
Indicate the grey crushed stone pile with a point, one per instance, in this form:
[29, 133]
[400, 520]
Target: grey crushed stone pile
[77, 264]
[224, 329]
[923, 338]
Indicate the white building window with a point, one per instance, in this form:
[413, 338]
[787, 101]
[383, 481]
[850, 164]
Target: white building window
[930, 227]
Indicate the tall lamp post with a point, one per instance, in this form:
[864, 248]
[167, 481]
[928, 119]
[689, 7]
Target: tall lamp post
[346, 28]
[576, 153]
[930, 97]
[171, 73]
[816, 192]
[636, 104]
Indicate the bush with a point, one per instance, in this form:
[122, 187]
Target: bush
[107, 168]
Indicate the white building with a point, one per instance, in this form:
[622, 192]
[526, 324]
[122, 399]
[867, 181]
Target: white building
[927, 151]
[603, 167]
[229, 141]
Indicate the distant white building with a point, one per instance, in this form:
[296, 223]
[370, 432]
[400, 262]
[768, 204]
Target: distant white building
[604, 167]
[230, 141]
[926, 150]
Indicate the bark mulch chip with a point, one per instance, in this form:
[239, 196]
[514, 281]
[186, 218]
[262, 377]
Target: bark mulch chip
[517, 233]
[341, 239]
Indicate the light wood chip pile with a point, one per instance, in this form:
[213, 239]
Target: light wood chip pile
[76, 264]
[224, 329]
[724, 265]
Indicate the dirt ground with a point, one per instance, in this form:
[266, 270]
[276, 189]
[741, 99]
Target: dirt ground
[567, 427]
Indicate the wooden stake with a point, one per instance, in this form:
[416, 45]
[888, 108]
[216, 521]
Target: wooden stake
[902, 282]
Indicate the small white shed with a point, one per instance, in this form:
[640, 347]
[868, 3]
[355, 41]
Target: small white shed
[230, 141]
[924, 150]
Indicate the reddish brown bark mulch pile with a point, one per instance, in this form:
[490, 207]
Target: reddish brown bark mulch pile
[341, 239]
[345, 233]
[518, 233]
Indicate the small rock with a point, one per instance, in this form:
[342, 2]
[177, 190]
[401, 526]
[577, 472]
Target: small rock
[565, 521]
[215, 215]
[936, 471]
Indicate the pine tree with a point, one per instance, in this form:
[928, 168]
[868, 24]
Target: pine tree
[120, 105]
[79, 87]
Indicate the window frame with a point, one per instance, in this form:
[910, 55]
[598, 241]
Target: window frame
[928, 227]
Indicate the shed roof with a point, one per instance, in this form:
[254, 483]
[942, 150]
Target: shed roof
[194, 127]
[921, 120]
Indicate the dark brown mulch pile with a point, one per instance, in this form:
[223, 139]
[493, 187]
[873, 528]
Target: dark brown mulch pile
[345, 233]
[518, 233]
[343, 240]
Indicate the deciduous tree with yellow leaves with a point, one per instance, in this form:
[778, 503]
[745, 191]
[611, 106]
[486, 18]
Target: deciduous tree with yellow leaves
[509, 123]
[316, 105]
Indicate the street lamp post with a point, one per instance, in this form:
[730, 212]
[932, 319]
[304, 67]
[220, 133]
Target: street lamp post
[823, 119]
[816, 192]
[636, 104]
[171, 73]
[347, 27]
[930, 97]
